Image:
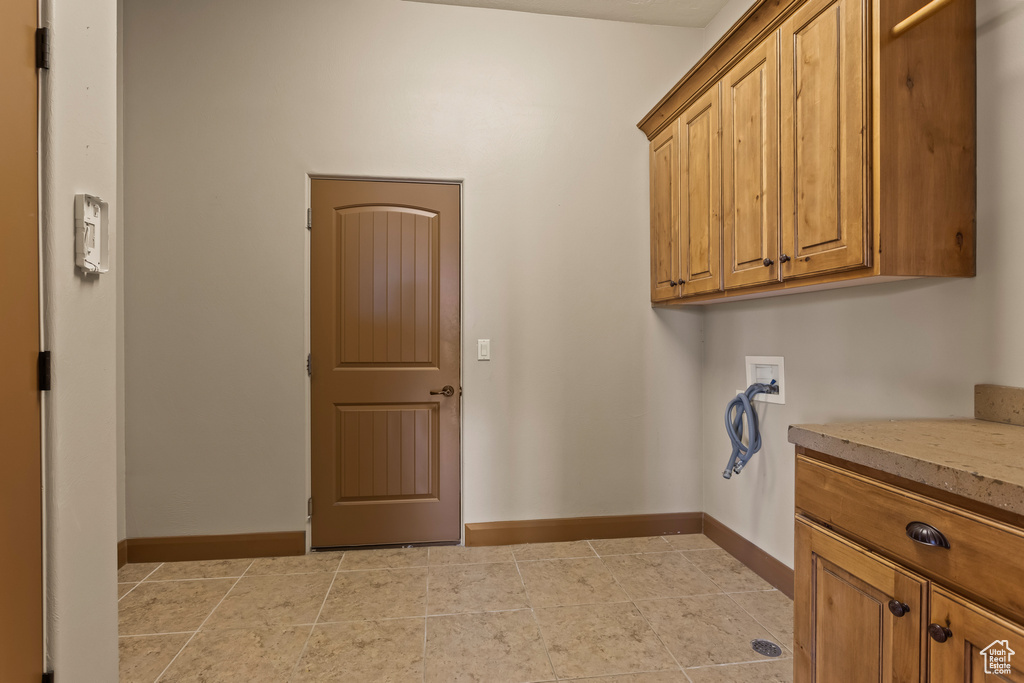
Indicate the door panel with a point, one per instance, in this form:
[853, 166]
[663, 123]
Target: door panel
[701, 199]
[849, 632]
[385, 333]
[21, 571]
[823, 143]
[665, 213]
[750, 167]
[976, 635]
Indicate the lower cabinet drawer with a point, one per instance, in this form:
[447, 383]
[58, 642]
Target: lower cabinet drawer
[984, 558]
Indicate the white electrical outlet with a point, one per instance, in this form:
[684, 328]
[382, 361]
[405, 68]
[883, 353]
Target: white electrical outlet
[764, 369]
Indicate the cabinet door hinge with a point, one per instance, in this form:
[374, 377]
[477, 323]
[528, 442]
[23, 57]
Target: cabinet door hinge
[43, 48]
[309, 507]
[309, 365]
[309, 219]
[44, 371]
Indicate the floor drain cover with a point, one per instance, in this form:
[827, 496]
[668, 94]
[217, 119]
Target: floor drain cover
[766, 648]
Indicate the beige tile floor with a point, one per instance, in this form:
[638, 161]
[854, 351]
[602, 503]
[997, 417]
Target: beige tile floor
[674, 609]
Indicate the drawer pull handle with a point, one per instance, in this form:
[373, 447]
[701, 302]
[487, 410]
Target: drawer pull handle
[939, 633]
[898, 608]
[926, 534]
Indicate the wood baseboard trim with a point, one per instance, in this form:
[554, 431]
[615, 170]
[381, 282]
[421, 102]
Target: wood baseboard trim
[122, 553]
[761, 563]
[226, 547]
[581, 528]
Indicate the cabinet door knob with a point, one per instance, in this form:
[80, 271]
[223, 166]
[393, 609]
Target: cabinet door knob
[926, 534]
[767, 262]
[898, 608]
[783, 258]
[939, 633]
[672, 283]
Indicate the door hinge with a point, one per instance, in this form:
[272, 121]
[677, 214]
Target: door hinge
[309, 507]
[42, 48]
[48, 677]
[309, 219]
[44, 371]
[309, 365]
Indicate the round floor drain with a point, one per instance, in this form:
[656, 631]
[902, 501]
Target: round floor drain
[766, 648]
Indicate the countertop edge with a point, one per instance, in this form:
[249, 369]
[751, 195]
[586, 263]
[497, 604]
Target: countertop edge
[958, 481]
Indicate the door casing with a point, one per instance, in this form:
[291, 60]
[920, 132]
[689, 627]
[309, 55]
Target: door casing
[307, 338]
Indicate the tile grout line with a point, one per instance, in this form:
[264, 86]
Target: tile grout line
[758, 622]
[426, 614]
[533, 613]
[643, 616]
[139, 583]
[221, 601]
[316, 620]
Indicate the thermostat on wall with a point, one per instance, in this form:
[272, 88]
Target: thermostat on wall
[91, 234]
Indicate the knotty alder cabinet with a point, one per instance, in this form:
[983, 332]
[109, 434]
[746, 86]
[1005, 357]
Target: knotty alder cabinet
[815, 146]
[895, 586]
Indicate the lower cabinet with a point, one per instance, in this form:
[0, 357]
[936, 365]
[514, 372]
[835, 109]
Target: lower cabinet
[971, 644]
[863, 616]
[858, 616]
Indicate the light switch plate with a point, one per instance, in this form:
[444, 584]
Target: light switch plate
[483, 349]
[764, 369]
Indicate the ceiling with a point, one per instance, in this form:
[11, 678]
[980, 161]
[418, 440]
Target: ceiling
[690, 13]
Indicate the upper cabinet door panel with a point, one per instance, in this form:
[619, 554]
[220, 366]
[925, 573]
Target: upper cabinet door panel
[825, 214]
[700, 172]
[665, 214]
[750, 168]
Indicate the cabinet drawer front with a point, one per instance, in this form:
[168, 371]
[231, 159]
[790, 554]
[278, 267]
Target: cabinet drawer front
[984, 557]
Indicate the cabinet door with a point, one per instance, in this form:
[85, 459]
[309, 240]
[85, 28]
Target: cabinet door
[977, 645]
[700, 172]
[665, 213]
[825, 214]
[750, 168]
[845, 628]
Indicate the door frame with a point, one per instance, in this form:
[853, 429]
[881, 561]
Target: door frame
[307, 336]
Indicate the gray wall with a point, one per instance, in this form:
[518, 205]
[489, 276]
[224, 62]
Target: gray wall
[912, 349]
[591, 404]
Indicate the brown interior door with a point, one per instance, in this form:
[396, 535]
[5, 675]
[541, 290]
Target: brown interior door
[385, 338]
[21, 528]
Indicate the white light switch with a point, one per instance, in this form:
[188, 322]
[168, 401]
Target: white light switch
[483, 349]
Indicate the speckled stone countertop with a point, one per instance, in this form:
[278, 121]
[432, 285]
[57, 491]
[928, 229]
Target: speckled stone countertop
[976, 459]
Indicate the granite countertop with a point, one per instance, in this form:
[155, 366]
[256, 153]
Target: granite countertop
[977, 459]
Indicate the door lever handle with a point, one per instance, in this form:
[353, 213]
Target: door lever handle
[446, 390]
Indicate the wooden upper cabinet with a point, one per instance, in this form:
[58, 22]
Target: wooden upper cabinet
[750, 168]
[977, 646]
[665, 214]
[824, 138]
[845, 154]
[700, 173]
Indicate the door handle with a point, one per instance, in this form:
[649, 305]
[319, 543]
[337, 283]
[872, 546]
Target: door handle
[446, 390]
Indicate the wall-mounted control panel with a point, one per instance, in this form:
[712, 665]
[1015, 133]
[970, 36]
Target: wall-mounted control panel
[764, 370]
[91, 247]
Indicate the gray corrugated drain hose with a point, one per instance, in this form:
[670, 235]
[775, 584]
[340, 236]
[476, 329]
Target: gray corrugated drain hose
[734, 412]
